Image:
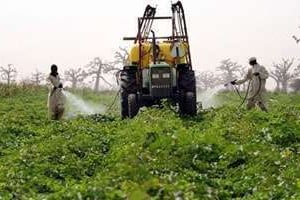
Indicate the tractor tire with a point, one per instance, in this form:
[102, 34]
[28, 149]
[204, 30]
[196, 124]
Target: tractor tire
[187, 88]
[129, 81]
[181, 103]
[187, 80]
[133, 106]
[124, 105]
[190, 104]
[128, 85]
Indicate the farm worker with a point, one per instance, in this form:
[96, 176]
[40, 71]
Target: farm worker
[258, 75]
[55, 97]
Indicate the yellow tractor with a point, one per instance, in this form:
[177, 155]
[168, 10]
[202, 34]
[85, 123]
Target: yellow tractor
[160, 67]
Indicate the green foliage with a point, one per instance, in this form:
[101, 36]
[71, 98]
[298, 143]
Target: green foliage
[14, 89]
[222, 153]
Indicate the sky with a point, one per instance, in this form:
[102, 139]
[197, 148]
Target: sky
[37, 33]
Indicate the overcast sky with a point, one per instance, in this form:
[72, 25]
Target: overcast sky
[36, 33]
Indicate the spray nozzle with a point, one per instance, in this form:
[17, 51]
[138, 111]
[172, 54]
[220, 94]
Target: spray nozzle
[231, 82]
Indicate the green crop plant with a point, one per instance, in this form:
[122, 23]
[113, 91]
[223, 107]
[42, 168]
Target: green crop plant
[222, 153]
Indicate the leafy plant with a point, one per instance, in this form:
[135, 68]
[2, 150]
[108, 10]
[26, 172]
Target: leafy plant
[222, 153]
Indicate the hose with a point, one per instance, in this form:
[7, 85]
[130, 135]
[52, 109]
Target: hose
[246, 95]
[114, 101]
[118, 78]
[259, 89]
[247, 92]
[237, 91]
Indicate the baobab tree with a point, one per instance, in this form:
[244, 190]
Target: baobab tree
[97, 69]
[37, 77]
[295, 85]
[75, 76]
[228, 70]
[284, 72]
[242, 72]
[275, 74]
[121, 59]
[8, 74]
[121, 56]
[206, 79]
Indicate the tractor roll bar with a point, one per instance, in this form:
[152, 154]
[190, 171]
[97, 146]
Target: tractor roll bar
[179, 26]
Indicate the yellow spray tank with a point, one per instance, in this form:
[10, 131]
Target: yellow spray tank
[170, 53]
[134, 56]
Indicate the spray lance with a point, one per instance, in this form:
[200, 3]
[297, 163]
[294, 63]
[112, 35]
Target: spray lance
[233, 84]
[60, 86]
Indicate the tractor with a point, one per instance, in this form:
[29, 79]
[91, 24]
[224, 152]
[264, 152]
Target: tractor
[159, 67]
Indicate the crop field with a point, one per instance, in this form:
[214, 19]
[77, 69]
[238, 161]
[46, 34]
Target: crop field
[222, 153]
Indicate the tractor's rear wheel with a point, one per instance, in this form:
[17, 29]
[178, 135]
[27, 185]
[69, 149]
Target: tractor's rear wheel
[124, 105]
[187, 88]
[128, 85]
[181, 103]
[133, 106]
[187, 80]
[190, 104]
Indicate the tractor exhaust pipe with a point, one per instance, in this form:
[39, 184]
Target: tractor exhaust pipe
[153, 47]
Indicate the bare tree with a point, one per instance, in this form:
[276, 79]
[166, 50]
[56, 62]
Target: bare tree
[276, 75]
[111, 67]
[297, 39]
[8, 74]
[121, 56]
[242, 72]
[121, 59]
[206, 79]
[228, 70]
[295, 85]
[37, 77]
[75, 76]
[284, 72]
[98, 68]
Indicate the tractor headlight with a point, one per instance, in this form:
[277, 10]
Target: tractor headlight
[166, 75]
[155, 76]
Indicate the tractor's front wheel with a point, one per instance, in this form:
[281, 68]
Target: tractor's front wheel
[133, 106]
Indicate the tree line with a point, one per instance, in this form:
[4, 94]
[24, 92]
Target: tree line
[285, 74]
[96, 69]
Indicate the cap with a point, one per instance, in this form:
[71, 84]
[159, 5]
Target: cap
[252, 59]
